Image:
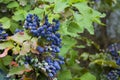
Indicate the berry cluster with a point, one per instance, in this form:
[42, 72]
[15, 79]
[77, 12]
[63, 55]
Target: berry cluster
[50, 64]
[3, 34]
[47, 31]
[49, 42]
[32, 22]
[53, 66]
[113, 50]
[113, 75]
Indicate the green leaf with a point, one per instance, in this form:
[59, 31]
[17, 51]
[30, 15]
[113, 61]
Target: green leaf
[75, 1]
[53, 16]
[20, 37]
[14, 26]
[118, 52]
[69, 43]
[5, 22]
[84, 55]
[5, 1]
[65, 29]
[73, 56]
[2, 66]
[16, 70]
[59, 6]
[106, 63]
[87, 16]
[16, 49]
[73, 29]
[27, 7]
[38, 12]
[87, 76]
[80, 46]
[65, 75]
[51, 1]
[19, 15]
[80, 6]
[13, 4]
[20, 11]
[7, 60]
[7, 44]
[84, 22]
[77, 69]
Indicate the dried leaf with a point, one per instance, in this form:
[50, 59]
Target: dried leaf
[25, 48]
[5, 52]
[20, 37]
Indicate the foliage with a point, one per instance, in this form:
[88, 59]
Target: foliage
[76, 17]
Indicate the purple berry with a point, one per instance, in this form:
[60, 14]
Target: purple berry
[40, 49]
[50, 75]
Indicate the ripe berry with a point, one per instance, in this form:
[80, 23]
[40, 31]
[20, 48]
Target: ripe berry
[50, 74]
[57, 66]
[40, 49]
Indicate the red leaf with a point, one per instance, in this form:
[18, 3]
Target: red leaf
[13, 63]
[5, 52]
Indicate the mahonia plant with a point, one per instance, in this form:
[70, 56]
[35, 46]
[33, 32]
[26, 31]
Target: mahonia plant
[35, 48]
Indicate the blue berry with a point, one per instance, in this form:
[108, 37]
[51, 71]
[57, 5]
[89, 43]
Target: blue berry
[118, 61]
[113, 49]
[49, 29]
[34, 32]
[40, 29]
[57, 66]
[61, 62]
[43, 33]
[57, 49]
[3, 34]
[113, 75]
[29, 19]
[28, 59]
[40, 49]
[58, 35]
[61, 58]
[50, 75]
